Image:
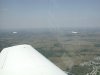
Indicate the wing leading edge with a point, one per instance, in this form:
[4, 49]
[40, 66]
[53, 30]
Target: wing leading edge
[25, 60]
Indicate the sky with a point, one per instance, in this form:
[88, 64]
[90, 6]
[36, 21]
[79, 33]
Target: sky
[22, 14]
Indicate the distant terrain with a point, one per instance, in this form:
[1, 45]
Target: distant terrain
[76, 53]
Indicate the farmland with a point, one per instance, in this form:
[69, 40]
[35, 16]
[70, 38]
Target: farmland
[65, 49]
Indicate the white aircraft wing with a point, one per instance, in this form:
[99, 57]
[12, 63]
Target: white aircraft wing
[25, 60]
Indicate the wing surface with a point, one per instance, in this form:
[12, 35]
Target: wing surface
[25, 60]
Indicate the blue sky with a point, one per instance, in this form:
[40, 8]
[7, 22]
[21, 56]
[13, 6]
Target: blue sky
[49, 13]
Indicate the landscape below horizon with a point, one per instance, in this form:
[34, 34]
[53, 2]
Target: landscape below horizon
[76, 51]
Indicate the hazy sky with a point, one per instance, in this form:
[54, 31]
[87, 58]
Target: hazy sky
[49, 13]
